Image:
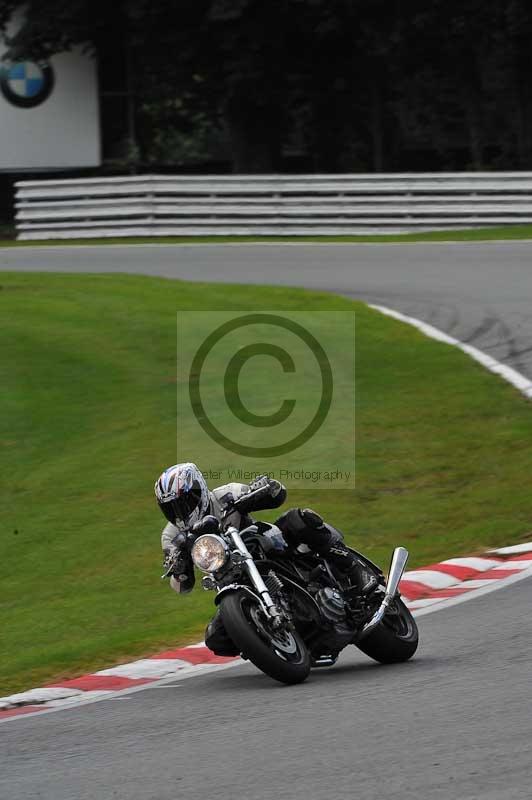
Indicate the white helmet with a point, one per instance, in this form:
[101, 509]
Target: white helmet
[182, 494]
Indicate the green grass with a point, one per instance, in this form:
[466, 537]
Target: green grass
[88, 421]
[504, 232]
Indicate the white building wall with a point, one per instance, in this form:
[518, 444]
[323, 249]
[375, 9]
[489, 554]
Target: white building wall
[61, 131]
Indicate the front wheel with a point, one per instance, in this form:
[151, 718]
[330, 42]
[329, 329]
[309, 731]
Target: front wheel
[395, 639]
[281, 654]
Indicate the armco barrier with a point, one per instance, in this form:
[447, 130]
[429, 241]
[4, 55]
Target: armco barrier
[155, 205]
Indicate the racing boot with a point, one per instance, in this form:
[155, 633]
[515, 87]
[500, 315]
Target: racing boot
[217, 639]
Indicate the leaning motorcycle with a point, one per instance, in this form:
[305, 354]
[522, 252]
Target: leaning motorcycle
[288, 613]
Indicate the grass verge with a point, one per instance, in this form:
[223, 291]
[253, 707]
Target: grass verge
[504, 232]
[88, 421]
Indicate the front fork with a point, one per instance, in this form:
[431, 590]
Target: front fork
[245, 558]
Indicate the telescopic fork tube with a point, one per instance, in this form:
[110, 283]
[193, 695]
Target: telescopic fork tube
[254, 574]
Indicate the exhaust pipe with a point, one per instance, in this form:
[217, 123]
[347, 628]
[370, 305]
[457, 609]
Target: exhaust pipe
[397, 567]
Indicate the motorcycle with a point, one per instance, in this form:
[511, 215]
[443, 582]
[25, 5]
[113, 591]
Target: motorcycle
[288, 613]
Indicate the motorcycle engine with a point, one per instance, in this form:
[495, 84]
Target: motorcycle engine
[340, 633]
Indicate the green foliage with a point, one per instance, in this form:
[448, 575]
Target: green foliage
[87, 422]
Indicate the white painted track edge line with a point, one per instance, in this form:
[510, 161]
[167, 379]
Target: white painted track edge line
[518, 380]
[512, 376]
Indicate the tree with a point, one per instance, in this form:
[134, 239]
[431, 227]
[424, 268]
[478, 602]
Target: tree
[351, 84]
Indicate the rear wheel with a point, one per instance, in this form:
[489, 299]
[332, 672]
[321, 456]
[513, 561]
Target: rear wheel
[395, 639]
[280, 653]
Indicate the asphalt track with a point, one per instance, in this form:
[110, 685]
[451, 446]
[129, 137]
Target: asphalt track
[453, 724]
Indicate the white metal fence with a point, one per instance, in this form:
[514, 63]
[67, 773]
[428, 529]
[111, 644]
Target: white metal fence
[155, 205]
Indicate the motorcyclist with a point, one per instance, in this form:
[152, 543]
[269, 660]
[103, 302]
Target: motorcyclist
[184, 499]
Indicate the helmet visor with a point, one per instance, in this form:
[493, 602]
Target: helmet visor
[180, 508]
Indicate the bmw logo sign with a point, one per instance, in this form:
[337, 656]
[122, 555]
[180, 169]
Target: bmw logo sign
[26, 83]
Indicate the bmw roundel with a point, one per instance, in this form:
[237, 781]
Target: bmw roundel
[26, 83]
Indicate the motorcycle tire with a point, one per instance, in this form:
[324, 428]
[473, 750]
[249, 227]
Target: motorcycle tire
[285, 658]
[395, 639]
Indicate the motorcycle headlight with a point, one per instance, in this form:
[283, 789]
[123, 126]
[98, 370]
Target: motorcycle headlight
[209, 552]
